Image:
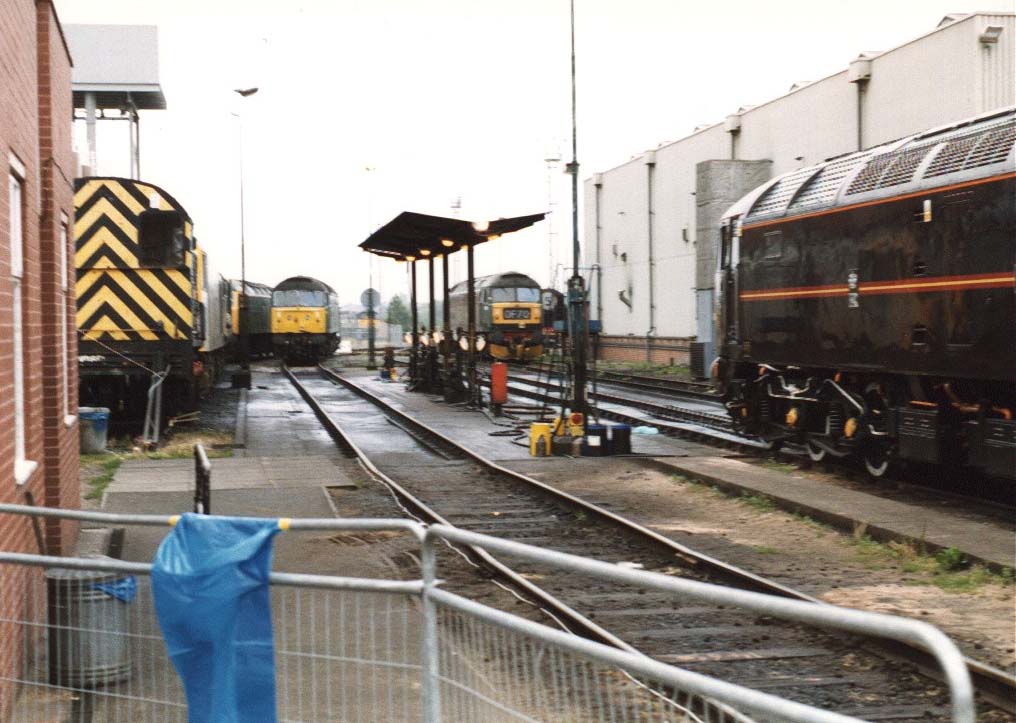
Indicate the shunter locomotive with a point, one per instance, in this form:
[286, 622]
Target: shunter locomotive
[508, 314]
[147, 301]
[866, 305]
[305, 319]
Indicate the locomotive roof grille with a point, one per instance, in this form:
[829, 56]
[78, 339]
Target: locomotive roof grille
[776, 198]
[821, 190]
[976, 143]
[972, 150]
[890, 169]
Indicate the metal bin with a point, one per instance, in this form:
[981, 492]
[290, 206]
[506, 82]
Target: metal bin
[88, 629]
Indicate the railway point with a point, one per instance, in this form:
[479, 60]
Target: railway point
[721, 432]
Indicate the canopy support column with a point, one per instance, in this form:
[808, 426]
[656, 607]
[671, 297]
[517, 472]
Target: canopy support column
[474, 388]
[416, 329]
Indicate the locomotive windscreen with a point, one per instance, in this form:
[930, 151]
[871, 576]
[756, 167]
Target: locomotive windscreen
[502, 294]
[298, 297]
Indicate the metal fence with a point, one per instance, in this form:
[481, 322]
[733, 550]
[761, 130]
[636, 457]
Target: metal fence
[350, 649]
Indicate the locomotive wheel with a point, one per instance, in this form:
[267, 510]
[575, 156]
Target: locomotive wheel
[876, 460]
[815, 453]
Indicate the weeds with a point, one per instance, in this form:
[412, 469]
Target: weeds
[950, 560]
[778, 466]
[761, 503]
[765, 550]
[105, 466]
[948, 569]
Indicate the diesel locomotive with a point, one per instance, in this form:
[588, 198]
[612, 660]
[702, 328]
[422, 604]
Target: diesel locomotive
[508, 314]
[258, 299]
[866, 306]
[147, 301]
[305, 320]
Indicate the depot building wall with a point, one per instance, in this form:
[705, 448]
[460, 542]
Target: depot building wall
[959, 70]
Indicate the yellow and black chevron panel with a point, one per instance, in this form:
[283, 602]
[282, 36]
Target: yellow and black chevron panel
[121, 294]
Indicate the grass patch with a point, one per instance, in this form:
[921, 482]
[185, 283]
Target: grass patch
[777, 466]
[181, 445]
[760, 503]
[100, 471]
[766, 550]
[947, 569]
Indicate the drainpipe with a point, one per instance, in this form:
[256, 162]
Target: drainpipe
[650, 160]
[859, 73]
[732, 125]
[597, 202]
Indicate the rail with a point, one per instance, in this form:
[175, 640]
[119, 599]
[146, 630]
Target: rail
[442, 690]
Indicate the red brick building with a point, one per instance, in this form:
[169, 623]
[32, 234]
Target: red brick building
[38, 380]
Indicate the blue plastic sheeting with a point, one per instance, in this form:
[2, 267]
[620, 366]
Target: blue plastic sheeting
[123, 589]
[210, 583]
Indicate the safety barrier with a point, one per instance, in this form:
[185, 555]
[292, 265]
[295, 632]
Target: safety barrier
[372, 649]
[202, 481]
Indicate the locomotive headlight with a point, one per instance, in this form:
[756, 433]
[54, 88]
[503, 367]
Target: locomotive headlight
[464, 343]
[850, 428]
[481, 343]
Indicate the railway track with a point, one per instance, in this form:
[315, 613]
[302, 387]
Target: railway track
[705, 420]
[441, 481]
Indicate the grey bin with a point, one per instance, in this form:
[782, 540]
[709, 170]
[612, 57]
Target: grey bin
[94, 425]
[89, 643]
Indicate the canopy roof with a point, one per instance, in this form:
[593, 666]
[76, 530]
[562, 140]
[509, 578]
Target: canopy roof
[409, 235]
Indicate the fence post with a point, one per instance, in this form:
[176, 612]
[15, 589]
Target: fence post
[202, 482]
[431, 679]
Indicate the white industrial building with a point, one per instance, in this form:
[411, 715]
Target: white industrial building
[651, 223]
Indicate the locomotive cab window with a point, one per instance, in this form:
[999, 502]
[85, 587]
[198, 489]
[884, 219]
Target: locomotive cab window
[298, 297]
[160, 236]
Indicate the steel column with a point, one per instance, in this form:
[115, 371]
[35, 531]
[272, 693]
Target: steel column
[416, 331]
[446, 313]
[474, 389]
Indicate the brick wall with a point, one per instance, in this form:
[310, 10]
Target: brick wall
[657, 349]
[35, 112]
[57, 296]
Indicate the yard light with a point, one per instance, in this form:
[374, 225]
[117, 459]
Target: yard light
[481, 343]
[464, 343]
[481, 226]
[407, 338]
[447, 243]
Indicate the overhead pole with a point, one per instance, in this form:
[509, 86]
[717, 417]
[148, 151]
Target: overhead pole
[576, 285]
[371, 332]
[243, 379]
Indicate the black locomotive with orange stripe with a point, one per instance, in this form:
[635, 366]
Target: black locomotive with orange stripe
[866, 306]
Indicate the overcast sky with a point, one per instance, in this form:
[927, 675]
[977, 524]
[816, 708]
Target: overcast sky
[447, 99]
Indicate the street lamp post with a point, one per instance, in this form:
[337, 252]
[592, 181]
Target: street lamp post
[576, 285]
[243, 378]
